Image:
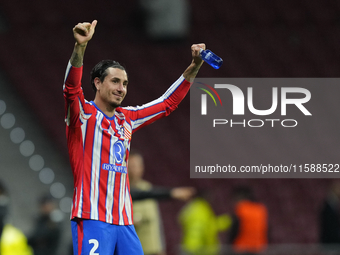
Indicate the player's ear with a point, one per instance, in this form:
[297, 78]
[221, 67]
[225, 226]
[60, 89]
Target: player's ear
[97, 83]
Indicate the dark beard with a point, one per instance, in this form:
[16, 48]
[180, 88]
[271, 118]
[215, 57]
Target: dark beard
[115, 105]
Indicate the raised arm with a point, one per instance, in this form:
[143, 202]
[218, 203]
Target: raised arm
[82, 33]
[192, 70]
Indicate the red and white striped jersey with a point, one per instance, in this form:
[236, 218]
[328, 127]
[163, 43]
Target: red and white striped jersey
[99, 148]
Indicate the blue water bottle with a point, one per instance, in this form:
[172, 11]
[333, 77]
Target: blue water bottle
[211, 58]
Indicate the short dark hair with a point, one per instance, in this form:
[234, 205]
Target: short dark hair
[99, 70]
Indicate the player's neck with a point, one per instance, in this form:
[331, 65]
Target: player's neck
[106, 108]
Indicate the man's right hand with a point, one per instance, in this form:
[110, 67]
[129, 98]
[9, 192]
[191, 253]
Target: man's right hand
[83, 32]
[183, 193]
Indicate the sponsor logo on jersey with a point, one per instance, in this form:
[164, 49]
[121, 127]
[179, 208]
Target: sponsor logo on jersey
[112, 167]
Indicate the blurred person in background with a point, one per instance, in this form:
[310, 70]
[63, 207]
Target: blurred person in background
[164, 21]
[47, 231]
[12, 240]
[4, 202]
[146, 214]
[249, 230]
[329, 218]
[201, 226]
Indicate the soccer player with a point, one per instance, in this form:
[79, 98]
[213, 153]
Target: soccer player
[98, 138]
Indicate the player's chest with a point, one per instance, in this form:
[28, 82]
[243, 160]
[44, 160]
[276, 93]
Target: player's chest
[111, 127]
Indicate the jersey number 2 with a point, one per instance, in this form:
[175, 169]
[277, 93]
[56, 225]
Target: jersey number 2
[95, 246]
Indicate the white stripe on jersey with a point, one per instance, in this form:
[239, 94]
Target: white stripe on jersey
[127, 126]
[74, 201]
[120, 115]
[121, 198]
[128, 205]
[83, 133]
[141, 107]
[135, 124]
[173, 87]
[80, 209]
[109, 196]
[110, 187]
[97, 145]
[68, 68]
[67, 119]
[83, 117]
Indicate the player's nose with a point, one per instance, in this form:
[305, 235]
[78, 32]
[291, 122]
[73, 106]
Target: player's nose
[120, 88]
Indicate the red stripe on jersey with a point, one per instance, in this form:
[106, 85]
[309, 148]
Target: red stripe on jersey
[88, 152]
[126, 220]
[126, 202]
[116, 196]
[74, 158]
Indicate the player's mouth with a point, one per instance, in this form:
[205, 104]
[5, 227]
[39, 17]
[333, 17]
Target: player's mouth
[119, 96]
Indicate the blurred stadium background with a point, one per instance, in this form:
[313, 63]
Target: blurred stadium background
[277, 38]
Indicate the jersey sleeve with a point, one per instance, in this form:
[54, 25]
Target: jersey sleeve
[153, 193]
[141, 116]
[73, 95]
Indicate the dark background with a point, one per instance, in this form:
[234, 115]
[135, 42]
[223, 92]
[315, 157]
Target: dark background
[255, 38]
